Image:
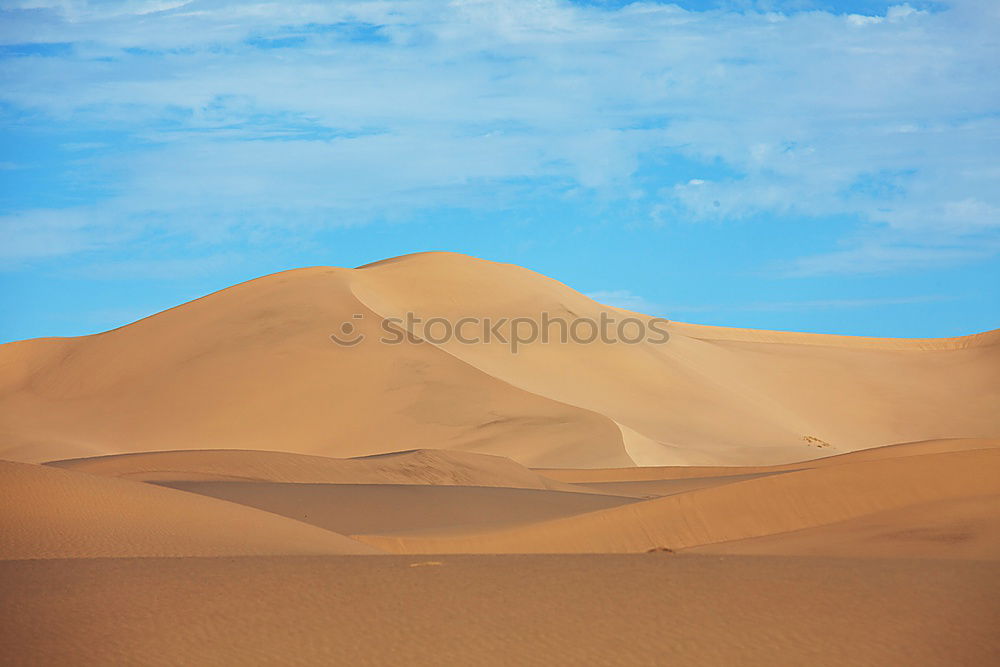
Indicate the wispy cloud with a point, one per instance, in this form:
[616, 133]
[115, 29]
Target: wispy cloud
[875, 258]
[236, 114]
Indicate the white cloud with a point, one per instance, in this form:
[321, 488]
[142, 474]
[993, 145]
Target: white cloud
[43, 233]
[467, 104]
[861, 19]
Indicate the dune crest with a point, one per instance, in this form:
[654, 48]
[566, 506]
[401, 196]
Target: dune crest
[425, 467]
[659, 473]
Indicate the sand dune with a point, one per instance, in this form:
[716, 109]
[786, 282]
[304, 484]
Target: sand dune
[785, 397]
[956, 528]
[752, 508]
[51, 513]
[253, 367]
[595, 477]
[653, 488]
[570, 610]
[436, 467]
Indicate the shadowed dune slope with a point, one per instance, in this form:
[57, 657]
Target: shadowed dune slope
[956, 528]
[253, 367]
[51, 513]
[374, 508]
[761, 506]
[426, 467]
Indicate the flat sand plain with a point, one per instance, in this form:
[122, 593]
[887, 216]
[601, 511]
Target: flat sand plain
[651, 609]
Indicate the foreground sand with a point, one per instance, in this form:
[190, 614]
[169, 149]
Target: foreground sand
[565, 610]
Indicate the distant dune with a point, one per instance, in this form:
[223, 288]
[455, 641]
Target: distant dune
[435, 467]
[193, 488]
[592, 476]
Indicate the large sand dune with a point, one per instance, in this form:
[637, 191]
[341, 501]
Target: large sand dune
[253, 367]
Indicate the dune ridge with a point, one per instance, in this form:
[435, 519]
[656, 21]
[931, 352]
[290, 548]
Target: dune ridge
[427, 467]
[744, 509]
[660, 473]
[50, 513]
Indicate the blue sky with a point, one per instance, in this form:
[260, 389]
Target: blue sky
[810, 165]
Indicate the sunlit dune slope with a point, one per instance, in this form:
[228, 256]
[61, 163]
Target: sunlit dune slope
[752, 508]
[50, 513]
[597, 477]
[954, 528]
[708, 395]
[253, 367]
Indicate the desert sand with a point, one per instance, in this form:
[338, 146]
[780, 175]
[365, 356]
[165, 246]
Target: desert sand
[221, 483]
[523, 610]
